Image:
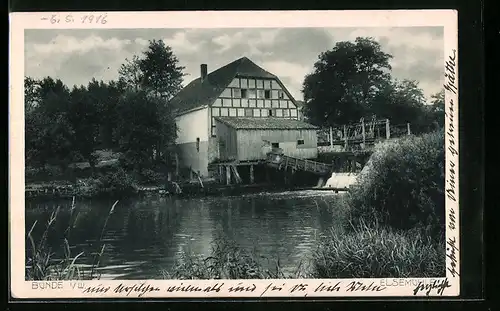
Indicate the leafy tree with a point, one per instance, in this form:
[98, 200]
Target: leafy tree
[142, 123]
[345, 81]
[436, 109]
[400, 101]
[438, 101]
[130, 74]
[84, 118]
[31, 94]
[162, 74]
[49, 134]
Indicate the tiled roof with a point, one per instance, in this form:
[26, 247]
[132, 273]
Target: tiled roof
[264, 123]
[198, 93]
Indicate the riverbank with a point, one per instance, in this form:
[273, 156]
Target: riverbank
[187, 189]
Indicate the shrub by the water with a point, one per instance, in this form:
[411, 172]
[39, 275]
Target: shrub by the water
[116, 182]
[150, 176]
[402, 186]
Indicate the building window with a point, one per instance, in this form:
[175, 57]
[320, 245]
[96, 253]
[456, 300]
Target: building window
[251, 83]
[283, 104]
[256, 113]
[260, 104]
[248, 113]
[252, 94]
[267, 103]
[300, 142]
[244, 83]
[286, 113]
[267, 94]
[274, 94]
[236, 102]
[241, 112]
[235, 83]
[270, 112]
[281, 95]
[226, 93]
[264, 112]
[232, 112]
[267, 84]
[279, 112]
[244, 93]
[275, 145]
[215, 112]
[252, 103]
[275, 104]
[218, 102]
[260, 84]
[198, 144]
[226, 102]
[293, 112]
[224, 112]
[236, 93]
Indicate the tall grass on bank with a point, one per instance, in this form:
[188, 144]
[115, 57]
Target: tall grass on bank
[40, 261]
[227, 260]
[368, 252]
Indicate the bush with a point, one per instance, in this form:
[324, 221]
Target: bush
[151, 176]
[369, 252]
[117, 181]
[402, 186]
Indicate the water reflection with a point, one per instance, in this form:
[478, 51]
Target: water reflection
[144, 236]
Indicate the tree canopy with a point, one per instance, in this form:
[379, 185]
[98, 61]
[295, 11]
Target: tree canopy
[353, 80]
[128, 115]
[157, 72]
[345, 81]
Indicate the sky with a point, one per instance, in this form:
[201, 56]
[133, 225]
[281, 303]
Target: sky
[77, 55]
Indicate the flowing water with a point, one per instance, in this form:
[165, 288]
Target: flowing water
[146, 235]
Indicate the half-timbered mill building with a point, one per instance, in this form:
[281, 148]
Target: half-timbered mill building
[235, 114]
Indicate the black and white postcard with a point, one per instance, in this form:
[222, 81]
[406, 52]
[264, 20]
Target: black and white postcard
[234, 154]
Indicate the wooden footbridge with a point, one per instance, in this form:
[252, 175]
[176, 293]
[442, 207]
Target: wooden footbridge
[362, 134]
[280, 161]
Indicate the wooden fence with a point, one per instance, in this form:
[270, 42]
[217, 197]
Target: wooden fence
[361, 133]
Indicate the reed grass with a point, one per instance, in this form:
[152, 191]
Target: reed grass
[378, 252]
[227, 260]
[40, 261]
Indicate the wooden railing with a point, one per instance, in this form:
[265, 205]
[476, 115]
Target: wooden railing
[364, 132]
[282, 161]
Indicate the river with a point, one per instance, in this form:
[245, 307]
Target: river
[146, 235]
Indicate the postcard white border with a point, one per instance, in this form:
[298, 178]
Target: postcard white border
[213, 288]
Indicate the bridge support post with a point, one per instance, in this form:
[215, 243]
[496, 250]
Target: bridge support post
[228, 175]
[345, 138]
[331, 137]
[363, 132]
[387, 129]
[251, 175]
[408, 128]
